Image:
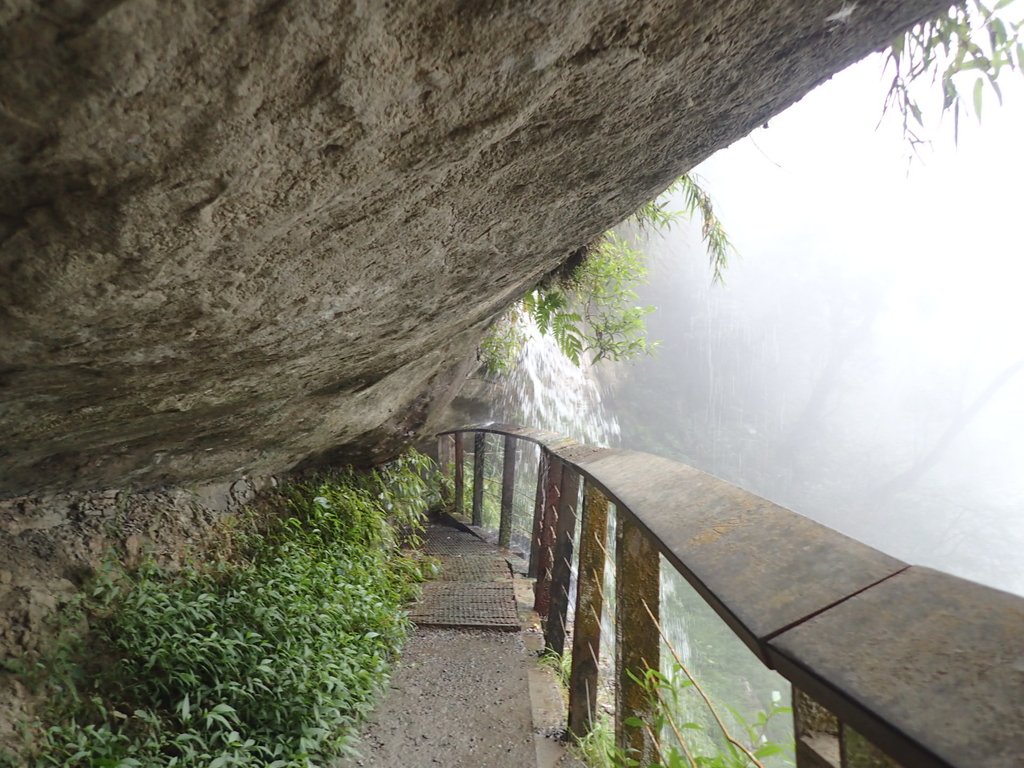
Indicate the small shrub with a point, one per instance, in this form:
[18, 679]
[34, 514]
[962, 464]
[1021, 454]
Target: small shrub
[588, 305]
[268, 655]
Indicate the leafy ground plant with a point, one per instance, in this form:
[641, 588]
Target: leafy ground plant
[267, 655]
[680, 743]
[676, 698]
[560, 665]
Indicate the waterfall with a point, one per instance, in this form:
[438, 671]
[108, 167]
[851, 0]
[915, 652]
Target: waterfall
[546, 390]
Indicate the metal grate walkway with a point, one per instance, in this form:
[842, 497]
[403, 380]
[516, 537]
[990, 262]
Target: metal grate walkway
[474, 589]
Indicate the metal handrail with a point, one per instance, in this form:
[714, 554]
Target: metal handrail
[926, 666]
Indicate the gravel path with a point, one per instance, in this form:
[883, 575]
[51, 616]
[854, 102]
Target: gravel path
[458, 698]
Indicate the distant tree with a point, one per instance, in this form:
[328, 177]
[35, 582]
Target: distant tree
[960, 420]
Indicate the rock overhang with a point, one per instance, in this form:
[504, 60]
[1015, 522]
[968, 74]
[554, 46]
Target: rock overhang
[239, 238]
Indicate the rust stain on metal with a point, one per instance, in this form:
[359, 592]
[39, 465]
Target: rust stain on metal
[637, 640]
[545, 552]
[508, 485]
[561, 567]
[586, 641]
[538, 512]
[717, 531]
[460, 476]
[479, 448]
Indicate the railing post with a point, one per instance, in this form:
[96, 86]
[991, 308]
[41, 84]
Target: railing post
[508, 487]
[549, 518]
[637, 638]
[444, 443]
[561, 567]
[538, 512]
[586, 636]
[816, 731]
[479, 446]
[824, 741]
[460, 475]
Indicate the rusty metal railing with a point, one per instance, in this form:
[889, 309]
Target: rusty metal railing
[891, 664]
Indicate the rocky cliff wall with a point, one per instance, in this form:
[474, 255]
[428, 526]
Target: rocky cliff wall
[240, 236]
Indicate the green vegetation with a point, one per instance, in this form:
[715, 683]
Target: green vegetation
[589, 304]
[711, 708]
[681, 742]
[560, 665]
[972, 41]
[266, 654]
[696, 201]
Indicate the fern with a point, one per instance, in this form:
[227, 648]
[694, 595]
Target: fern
[713, 233]
[592, 309]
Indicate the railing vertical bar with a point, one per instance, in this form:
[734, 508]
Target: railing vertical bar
[460, 475]
[816, 732]
[442, 454]
[549, 519]
[561, 567]
[586, 636]
[508, 487]
[543, 464]
[637, 638]
[479, 447]
[444, 463]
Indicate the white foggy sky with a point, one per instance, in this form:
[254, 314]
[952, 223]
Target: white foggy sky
[943, 236]
[826, 192]
[953, 224]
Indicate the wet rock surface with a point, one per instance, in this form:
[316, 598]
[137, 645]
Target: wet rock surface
[239, 237]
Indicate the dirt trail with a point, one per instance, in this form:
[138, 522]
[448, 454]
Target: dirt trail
[468, 691]
[459, 698]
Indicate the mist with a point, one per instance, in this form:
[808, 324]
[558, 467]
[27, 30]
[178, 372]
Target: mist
[863, 364]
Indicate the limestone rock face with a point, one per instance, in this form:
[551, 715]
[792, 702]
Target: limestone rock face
[238, 236]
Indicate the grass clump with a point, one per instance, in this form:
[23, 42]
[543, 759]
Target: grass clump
[265, 655]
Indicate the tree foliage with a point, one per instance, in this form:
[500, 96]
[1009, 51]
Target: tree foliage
[972, 43]
[591, 310]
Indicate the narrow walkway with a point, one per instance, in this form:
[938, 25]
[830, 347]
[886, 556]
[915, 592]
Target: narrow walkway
[474, 589]
[467, 692]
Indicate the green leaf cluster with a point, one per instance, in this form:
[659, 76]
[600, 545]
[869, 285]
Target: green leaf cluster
[266, 657]
[681, 743]
[970, 39]
[591, 310]
[501, 345]
[613, 324]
